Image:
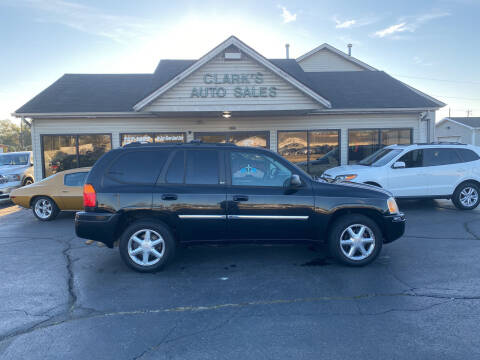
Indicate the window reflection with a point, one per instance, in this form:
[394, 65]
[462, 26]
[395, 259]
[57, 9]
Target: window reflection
[314, 151]
[240, 138]
[63, 152]
[362, 143]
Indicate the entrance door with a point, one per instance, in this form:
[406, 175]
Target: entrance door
[258, 207]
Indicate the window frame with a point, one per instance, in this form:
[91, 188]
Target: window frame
[162, 178]
[76, 135]
[379, 137]
[293, 169]
[75, 173]
[339, 131]
[153, 134]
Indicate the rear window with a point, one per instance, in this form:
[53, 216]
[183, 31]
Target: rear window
[77, 179]
[468, 155]
[439, 156]
[138, 167]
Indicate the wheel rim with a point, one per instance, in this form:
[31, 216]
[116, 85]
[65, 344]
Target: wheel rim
[43, 208]
[146, 247]
[468, 196]
[357, 242]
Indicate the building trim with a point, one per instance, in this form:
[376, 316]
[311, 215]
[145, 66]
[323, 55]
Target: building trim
[232, 40]
[337, 52]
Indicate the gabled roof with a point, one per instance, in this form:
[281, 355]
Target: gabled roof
[338, 52]
[91, 94]
[470, 122]
[231, 41]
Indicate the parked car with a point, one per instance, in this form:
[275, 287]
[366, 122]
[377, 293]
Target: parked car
[436, 170]
[46, 198]
[16, 170]
[152, 197]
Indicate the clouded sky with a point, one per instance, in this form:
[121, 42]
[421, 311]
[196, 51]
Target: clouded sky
[430, 44]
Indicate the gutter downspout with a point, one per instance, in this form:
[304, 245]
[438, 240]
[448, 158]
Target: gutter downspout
[424, 117]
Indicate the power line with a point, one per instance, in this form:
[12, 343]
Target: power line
[443, 80]
[456, 97]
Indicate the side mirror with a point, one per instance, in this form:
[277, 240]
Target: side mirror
[398, 165]
[295, 181]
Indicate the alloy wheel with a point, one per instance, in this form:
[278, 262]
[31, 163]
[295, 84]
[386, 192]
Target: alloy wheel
[357, 242]
[468, 196]
[43, 208]
[146, 247]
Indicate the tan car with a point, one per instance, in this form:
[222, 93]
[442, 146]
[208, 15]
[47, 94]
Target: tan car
[46, 198]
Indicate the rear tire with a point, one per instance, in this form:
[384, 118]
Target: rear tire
[147, 246]
[466, 196]
[355, 240]
[44, 208]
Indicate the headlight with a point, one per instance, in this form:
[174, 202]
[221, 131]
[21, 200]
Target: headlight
[392, 206]
[345, 177]
[12, 177]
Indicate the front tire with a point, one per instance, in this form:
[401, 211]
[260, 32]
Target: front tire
[355, 240]
[466, 196]
[44, 208]
[147, 246]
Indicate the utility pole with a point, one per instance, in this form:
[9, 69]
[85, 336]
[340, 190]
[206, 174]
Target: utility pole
[449, 109]
[469, 112]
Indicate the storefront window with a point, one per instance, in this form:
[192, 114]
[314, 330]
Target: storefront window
[63, 152]
[314, 151]
[362, 143]
[240, 138]
[152, 138]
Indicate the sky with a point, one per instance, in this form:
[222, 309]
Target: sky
[432, 45]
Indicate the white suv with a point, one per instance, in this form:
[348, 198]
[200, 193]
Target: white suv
[436, 170]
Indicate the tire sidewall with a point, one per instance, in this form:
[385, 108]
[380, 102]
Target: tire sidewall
[54, 212]
[456, 196]
[343, 223]
[163, 230]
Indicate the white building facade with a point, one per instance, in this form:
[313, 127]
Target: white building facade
[323, 109]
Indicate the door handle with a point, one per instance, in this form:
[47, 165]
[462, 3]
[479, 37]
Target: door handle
[169, 197]
[240, 198]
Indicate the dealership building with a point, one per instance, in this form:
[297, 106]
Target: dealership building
[320, 110]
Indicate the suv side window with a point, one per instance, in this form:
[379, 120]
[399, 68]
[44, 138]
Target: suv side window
[441, 156]
[138, 167]
[468, 155]
[256, 169]
[202, 167]
[413, 159]
[176, 170]
[76, 179]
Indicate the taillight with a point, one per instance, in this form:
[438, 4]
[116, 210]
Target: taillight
[89, 196]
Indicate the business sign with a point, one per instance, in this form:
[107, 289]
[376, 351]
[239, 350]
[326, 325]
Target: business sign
[244, 85]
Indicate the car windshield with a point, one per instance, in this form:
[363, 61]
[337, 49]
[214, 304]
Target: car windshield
[380, 157]
[14, 159]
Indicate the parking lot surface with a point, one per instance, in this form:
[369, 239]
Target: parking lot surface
[60, 298]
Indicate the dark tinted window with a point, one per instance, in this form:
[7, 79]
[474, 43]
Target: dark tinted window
[77, 179]
[176, 169]
[413, 159]
[138, 167]
[436, 157]
[468, 155]
[202, 167]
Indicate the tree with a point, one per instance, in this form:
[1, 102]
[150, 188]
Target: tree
[15, 137]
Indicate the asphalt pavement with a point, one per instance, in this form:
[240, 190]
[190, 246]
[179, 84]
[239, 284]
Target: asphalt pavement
[63, 299]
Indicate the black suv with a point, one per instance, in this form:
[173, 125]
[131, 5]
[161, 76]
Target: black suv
[153, 197]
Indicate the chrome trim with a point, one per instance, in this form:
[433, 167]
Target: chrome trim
[266, 217]
[202, 216]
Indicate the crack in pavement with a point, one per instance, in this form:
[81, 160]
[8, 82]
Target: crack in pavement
[65, 318]
[470, 231]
